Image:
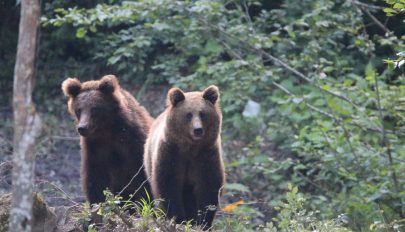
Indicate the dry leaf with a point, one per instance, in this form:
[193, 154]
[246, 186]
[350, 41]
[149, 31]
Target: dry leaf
[229, 208]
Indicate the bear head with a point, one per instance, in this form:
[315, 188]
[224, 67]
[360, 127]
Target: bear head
[94, 104]
[194, 116]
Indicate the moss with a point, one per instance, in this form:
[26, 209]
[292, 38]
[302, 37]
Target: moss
[44, 218]
[5, 205]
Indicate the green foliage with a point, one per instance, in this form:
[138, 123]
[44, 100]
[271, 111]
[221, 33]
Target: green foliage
[396, 6]
[332, 113]
[113, 213]
[145, 209]
[293, 216]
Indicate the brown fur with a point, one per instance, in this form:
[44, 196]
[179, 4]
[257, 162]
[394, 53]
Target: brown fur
[183, 156]
[113, 128]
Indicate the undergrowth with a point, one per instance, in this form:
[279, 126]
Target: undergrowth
[116, 214]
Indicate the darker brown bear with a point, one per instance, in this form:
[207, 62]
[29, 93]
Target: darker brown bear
[113, 127]
[183, 156]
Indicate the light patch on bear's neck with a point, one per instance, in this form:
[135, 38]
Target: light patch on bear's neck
[159, 130]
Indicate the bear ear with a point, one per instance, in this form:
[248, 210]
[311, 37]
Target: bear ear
[108, 84]
[175, 95]
[211, 94]
[71, 87]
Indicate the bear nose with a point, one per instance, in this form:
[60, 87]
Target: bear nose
[198, 132]
[82, 130]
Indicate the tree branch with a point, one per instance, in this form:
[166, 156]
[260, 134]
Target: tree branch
[376, 21]
[386, 143]
[277, 61]
[368, 6]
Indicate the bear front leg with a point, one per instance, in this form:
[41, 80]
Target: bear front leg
[172, 201]
[208, 190]
[167, 184]
[94, 182]
[207, 204]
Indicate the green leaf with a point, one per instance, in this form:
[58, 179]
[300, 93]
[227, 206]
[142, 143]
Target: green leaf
[370, 72]
[398, 6]
[326, 87]
[329, 69]
[337, 106]
[348, 83]
[113, 60]
[93, 29]
[213, 47]
[81, 32]
[294, 190]
[389, 10]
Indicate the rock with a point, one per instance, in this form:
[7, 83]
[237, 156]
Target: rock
[44, 218]
[65, 220]
[5, 205]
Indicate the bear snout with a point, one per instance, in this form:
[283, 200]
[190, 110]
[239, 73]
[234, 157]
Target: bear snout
[198, 132]
[197, 128]
[82, 129]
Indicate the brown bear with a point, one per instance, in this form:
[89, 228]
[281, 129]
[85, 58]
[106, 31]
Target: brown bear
[183, 158]
[113, 127]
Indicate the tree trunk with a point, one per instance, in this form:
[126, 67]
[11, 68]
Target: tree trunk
[27, 123]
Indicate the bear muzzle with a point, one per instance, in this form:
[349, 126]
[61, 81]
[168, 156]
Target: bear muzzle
[197, 128]
[83, 130]
[197, 133]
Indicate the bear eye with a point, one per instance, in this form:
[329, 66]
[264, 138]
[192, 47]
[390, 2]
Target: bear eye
[189, 116]
[96, 110]
[78, 112]
[203, 116]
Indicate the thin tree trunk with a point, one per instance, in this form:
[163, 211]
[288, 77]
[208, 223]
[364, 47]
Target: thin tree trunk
[27, 123]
